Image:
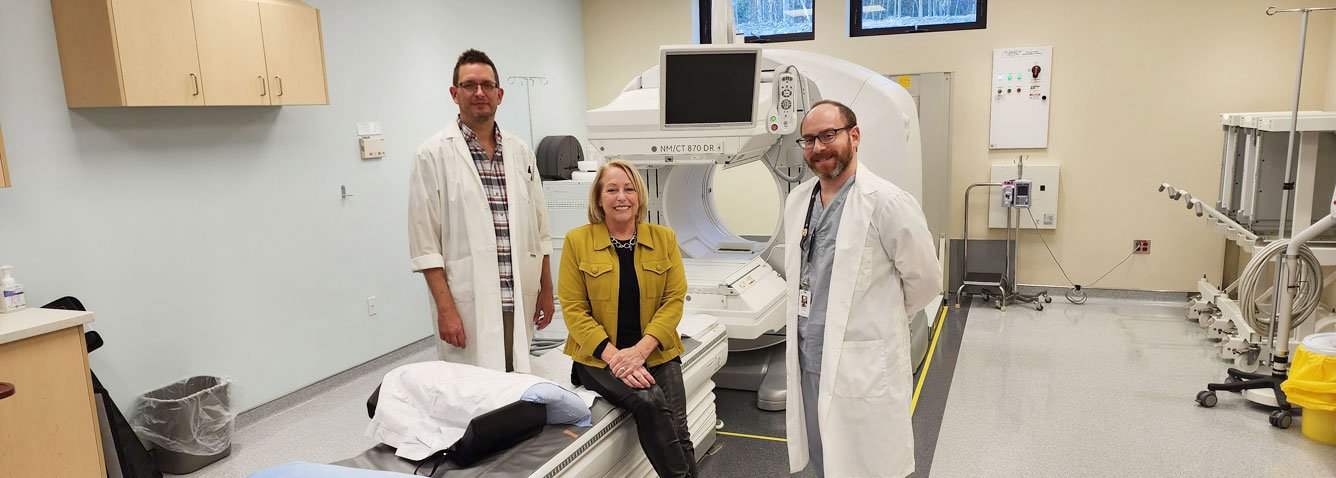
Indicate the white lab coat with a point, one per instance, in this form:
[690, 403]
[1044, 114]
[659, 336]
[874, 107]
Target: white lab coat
[885, 269]
[450, 226]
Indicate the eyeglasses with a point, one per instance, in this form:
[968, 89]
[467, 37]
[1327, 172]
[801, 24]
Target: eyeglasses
[826, 137]
[471, 87]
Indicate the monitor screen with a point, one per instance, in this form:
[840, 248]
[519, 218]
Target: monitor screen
[709, 88]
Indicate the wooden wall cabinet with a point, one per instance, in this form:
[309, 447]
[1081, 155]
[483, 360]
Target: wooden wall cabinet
[190, 52]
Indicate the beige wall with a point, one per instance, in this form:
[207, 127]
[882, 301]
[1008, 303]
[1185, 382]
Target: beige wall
[1136, 89]
[1331, 75]
[626, 34]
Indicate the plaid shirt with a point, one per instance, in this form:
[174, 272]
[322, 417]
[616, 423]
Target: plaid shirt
[493, 174]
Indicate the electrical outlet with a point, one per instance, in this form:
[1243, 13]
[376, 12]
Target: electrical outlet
[1141, 246]
[371, 305]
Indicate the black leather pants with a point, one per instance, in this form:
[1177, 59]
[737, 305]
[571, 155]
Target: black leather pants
[660, 412]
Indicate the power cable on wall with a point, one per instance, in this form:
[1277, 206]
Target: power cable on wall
[1075, 294]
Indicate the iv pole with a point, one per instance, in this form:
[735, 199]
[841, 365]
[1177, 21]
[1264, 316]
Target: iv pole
[1279, 358]
[1286, 283]
[528, 98]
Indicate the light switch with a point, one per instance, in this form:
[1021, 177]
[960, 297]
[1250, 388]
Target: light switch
[372, 147]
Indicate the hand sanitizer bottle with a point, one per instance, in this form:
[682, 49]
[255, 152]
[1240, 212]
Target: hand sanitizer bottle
[13, 300]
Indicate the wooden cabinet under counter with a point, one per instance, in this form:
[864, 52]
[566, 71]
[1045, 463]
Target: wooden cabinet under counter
[48, 425]
[190, 52]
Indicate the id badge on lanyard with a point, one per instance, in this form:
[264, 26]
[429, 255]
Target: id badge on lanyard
[804, 287]
[804, 303]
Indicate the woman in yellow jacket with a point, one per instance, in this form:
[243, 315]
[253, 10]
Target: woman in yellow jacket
[621, 289]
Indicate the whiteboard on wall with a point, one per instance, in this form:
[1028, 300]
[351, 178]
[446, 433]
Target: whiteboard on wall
[1021, 81]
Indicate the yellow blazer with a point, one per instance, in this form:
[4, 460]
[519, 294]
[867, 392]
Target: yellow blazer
[588, 290]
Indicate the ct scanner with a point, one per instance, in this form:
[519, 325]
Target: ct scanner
[707, 105]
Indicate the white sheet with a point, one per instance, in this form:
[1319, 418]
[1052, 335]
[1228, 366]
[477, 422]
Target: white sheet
[425, 407]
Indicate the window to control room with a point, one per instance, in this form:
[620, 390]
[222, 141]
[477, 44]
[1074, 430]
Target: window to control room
[888, 17]
[765, 21]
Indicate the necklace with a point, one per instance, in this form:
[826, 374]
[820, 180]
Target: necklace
[623, 244]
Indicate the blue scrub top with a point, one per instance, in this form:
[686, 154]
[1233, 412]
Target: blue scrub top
[824, 226]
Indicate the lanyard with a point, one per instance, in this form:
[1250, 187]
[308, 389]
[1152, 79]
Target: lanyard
[807, 224]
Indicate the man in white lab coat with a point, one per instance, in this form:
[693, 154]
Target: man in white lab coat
[477, 229]
[860, 262]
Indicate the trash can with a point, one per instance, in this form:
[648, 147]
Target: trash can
[1312, 385]
[190, 421]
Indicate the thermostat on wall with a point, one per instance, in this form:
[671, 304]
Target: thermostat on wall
[373, 147]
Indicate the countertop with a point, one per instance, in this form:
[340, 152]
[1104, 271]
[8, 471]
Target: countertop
[31, 322]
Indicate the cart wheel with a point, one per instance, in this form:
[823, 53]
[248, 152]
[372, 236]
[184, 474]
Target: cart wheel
[1039, 307]
[1047, 299]
[1206, 398]
[1281, 419]
[1232, 379]
[1246, 362]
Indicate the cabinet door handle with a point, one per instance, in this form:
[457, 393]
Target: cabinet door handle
[195, 80]
[280, 84]
[264, 90]
[6, 390]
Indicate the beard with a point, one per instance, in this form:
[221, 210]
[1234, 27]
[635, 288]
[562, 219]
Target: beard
[837, 167]
[479, 116]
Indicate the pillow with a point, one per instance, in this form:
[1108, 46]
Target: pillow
[563, 406]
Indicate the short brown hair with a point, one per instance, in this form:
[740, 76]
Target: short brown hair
[850, 119]
[473, 56]
[596, 191]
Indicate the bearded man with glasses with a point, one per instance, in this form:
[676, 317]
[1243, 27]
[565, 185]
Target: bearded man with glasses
[859, 264]
[478, 229]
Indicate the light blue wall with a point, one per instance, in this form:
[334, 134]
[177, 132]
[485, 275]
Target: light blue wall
[214, 240]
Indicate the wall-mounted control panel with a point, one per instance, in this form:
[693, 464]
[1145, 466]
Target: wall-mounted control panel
[1021, 83]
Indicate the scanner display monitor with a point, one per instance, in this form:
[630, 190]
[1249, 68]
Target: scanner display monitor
[712, 88]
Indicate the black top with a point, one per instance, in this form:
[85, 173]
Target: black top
[628, 298]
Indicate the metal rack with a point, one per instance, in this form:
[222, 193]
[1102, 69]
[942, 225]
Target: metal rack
[1006, 289]
[1264, 387]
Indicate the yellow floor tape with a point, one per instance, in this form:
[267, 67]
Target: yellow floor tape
[924, 375]
[743, 435]
[919, 388]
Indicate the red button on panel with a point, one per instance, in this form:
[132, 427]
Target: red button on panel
[774, 127]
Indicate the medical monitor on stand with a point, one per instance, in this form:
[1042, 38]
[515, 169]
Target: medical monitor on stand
[709, 88]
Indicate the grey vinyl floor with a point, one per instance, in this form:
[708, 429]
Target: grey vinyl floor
[1104, 389]
[325, 427]
[1101, 389]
